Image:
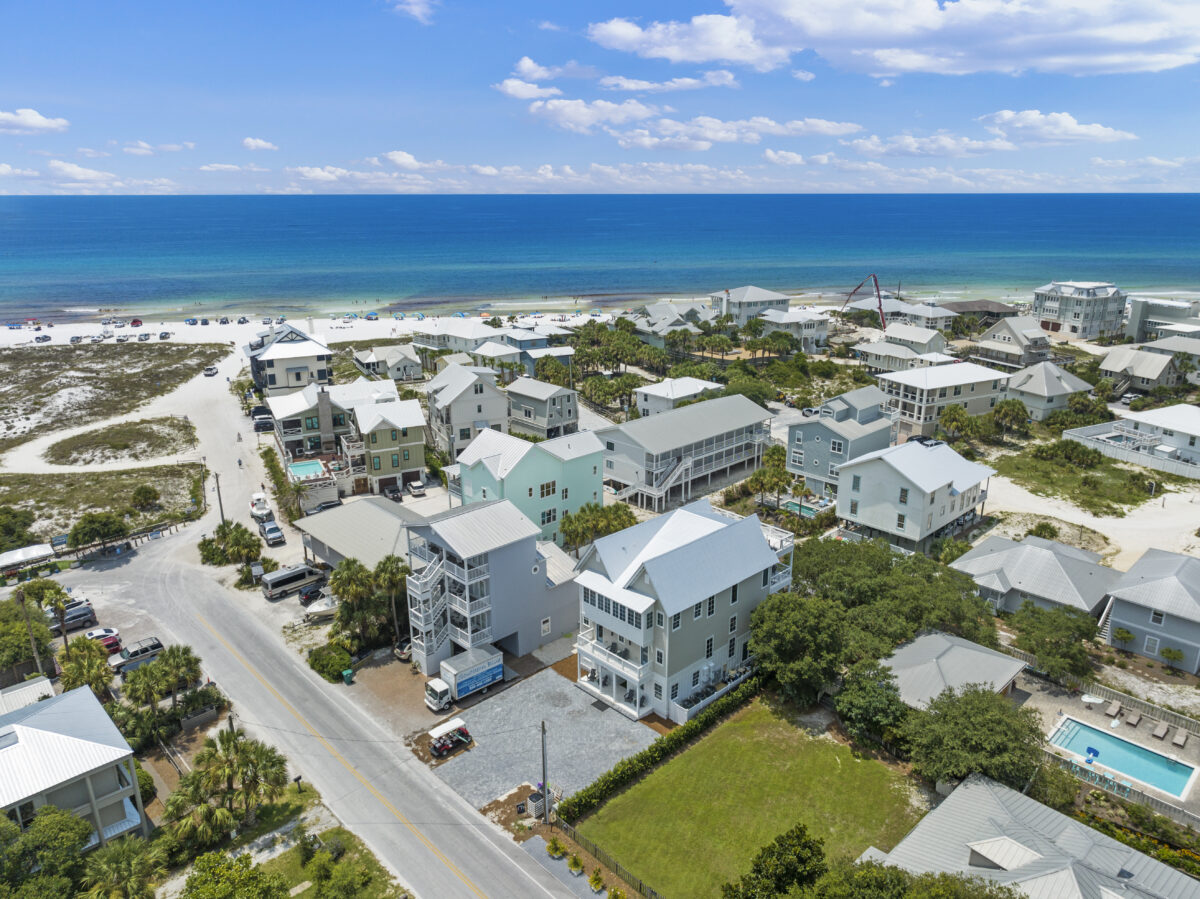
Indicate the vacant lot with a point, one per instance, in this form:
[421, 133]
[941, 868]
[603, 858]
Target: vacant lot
[59, 499]
[290, 866]
[697, 821]
[1106, 490]
[48, 387]
[143, 439]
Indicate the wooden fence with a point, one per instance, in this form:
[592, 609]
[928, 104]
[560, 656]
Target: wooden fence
[635, 882]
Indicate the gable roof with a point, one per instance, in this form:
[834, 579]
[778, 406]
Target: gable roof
[288, 342]
[749, 294]
[535, 389]
[1045, 568]
[368, 529]
[56, 740]
[937, 376]
[794, 316]
[494, 349]
[699, 421]
[481, 527]
[984, 829]
[1175, 344]
[1164, 581]
[462, 328]
[1181, 417]
[550, 351]
[396, 414]
[572, 446]
[929, 465]
[343, 396]
[935, 662]
[499, 453]
[914, 333]
[886, 348]
[976, 307]
[679, 388]
[453, 380]
[929, 310]
[1023, 328]
[890, 305]
[1045, 379]
[1138, 363]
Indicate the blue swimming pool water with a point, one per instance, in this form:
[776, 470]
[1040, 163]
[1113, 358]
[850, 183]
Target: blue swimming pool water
[309, 469]
[1123, 757]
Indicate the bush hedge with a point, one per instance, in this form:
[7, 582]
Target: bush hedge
[141, 727]
[628, 771]
[329, 661]
[1070, 452]
[146, 785]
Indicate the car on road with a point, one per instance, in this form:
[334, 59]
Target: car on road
[1128, 398]
[243, 320]
[42, 338]
[210, 372]
[224, 320]
[77, 339]
[145, 335]
[262, 425]
[140, 652]
[163, 335]
[271, 532]
[393, 493]
[416, 488]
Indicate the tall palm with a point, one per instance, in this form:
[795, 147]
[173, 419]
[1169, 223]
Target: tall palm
[50, 595]
[194, 817]
[351, 582]
[219, 765]
[180, 665]
[87, 666]
[124, 869]
[146, 686]
[241, 545]
[391, 576]
[263, 776]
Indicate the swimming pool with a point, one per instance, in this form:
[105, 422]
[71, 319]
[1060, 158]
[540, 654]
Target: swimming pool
[310, 468]
[1123, 757]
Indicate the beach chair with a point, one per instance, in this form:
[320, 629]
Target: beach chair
[1180, 738]
[1133, 719]
[1114, 709]
[1160, 732]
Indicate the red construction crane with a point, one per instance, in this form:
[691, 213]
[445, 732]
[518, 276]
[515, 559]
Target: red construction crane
[878, 298]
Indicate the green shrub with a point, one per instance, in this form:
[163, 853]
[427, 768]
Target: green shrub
[245, 579]
[329, 661]
[1075, 454]
[146, 785]
[1043, 529]
[629, 770]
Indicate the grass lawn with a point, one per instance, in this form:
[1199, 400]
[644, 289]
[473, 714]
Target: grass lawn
[697, 821]
[142, 439]
[379, 887]
[1108, 489]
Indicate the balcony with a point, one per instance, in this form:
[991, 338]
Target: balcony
[469, 574]
[611, 656]
[470, 637]
[423, 615]
[419, 549]
[469, 607]
[781, 580]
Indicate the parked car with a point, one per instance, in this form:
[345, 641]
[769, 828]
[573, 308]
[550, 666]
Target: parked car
[243, 320]
[136, 323]
[321, 507]
[204, 321]
[262, 425]
[224, 320]
[393, 493]
[118, 323]
[260, 507]
[102, 632]
[1128, 398]
[416, 488]
[310, 594]
[260, 411]
[163, 335]
[271, 532]
[403, 650]
[77, 339]
[189, 321]
[42, 338]
[140, 652]
[81, 616]
[266, 320]
[145, 335]
[122, 338]
[210, 372]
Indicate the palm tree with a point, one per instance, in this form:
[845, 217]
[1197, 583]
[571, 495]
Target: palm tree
[146, 686]
[87, 666]
[263, 776]
[124, 869]
[48, 594]
[241, 545]
[390, 576]
[194, 817]
[351, 582]
[954, 420]
[219, 765]
[180, 665]
[19, 597]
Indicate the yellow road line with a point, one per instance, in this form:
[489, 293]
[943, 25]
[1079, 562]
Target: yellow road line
[345, 764]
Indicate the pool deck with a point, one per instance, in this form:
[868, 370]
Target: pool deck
[1049, 700]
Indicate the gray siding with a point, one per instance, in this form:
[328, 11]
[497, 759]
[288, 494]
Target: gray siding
[1174, 632]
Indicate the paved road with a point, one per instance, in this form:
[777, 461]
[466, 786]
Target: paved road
[432, 839]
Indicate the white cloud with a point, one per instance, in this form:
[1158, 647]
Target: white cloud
[550, 26]
[529, 70]
[421, 10]
[72, 172]
[933, 145]
[642, 139]
[340, 180]
[1151, 162]
[803, 75]
[750, 131]
[89, 153]
[706, 38]
[30, 121]
[141, 148]
[402, 160]
[1032, 126]
[783, 157]
[580, 115]
[8, 171]
[257, 143]
[488, 170]
[175, 148]
[715, 78]
[524, 90]
[230, 167]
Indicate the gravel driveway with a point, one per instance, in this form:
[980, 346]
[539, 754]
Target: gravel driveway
[582, 742]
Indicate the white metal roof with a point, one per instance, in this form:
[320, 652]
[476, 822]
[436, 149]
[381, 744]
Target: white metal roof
[535, 389]
[481, 527]
[1044, 568]
[397, 414]
[1138, 363]
[935, 377]
[1183, 418]
[25, 693]
[914, 333]
[451, 381]
[15, 558]
[493, 349]
[679, 388]
[550, 351]
[573, 446]
[690, 424]
[343, 396]
[748, 294]
[1045, 379]
[498, 452]
[367, 529]
[297, 345]
[1164, 581]
[935, 662]
[928, 465]
[928, 310]
[794, 316]
[462, 328]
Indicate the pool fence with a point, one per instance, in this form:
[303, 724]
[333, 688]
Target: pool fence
[1107, 437]
[1122, 790]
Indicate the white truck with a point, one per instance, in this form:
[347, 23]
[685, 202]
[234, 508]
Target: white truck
[464, 674]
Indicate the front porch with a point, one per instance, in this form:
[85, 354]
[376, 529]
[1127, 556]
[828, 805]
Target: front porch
[613, 672]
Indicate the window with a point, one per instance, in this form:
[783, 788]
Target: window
[766, 577]
[339, 420]
[674, 691]
[608, 463]
[853, 507]
[464, 433]
[311, 423]
[478, 410]
[393, 435]
[478, 389]
[835, 446]
[900, 522]
[733, 624]
[531, 491]
[695, 678]
[565, 493]
[1156, 617]
[549, 516]
[904, 496]
[545, 627]
[547, 489]
[404, 432]
[799, 437]
[675, 622]
[797, 458]
[608, 445]
[484, 489]
[594, 471]
[658, 656]
[395, 460]
[854, 483]
[732, 646]
[659, 618]
[733, 594]
[375, 463]
[528, 412]
[1150, 647]
[708, 648]
[658, 691]
[374, 437]
[712, 606]
[697, 610]
[406, 455]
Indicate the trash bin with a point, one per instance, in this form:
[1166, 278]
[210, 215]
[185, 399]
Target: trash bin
[348, 675]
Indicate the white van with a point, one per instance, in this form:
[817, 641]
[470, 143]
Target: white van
[288, 580]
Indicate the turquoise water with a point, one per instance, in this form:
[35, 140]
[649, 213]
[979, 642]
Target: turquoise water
[792, 506]
[1123, 757]
[309, 469]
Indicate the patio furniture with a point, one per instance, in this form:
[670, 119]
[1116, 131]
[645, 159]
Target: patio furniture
[1180, 738]
[1133, 719]
[1114, 709]
[1160, 732]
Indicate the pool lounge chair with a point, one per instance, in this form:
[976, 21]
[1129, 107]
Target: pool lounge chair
[1160, 732]
[1114, 709]
[1180, 738]
[1133, 719]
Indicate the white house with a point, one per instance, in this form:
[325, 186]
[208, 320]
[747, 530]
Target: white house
[1151, 318]
[910, 494]
[921, 395]
[1017, 342]
[400, 362]
[1169, 432]
[1045, 388]
[1178, 346]
[809, 327]
[882, 356]
[541, 409]
[670, 392]
[745, 303]
[894, 310]
[919, 340]
[1139, 370]
[927, 315]
[462, 402]
[285, 358]
[459, 335]
[665, 606]
[1158, 602]
[1084, 309]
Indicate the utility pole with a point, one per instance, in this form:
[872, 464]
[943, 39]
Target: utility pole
[19, 596]
[545, 781]
[220, 505]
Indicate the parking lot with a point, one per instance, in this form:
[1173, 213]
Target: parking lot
[582, 741]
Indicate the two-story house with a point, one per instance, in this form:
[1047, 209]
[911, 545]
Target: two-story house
[543, 480]
[663, 457]
[921, 395]
[1137, 370]
[285, 358]
[911, 494]
[1013, 343]
[882, 356]
[927, 315]
[1183, 349]
[1083, 309]
[66, 752]
[1169, 432]
[844, 428]
[400, 362]
[1158, 601]
[541, 409]
[463, 402]
[312, 421]
[670, 392]
[390, 440]
[482, 578]
[894, 310]
[1045, 388]
[809, 327]
[744, 303]
[665, 605]
[458, 335]
[1151, 318]
[919, 340]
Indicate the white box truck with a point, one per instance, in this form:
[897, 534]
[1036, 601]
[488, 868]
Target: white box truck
[464, 674]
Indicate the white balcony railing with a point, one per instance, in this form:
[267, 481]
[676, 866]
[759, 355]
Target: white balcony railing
[470, 637]
[611, 656]
[469, 607]
[781, 580]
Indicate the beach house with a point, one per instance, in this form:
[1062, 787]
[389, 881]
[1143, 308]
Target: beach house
[921, 395]
[1182, 348]
[883, 356]
[933, 662]
[744, 303]
[462, 402]
[664, 608]
[1083, 309]
[1012, 343]
[910, 495]
[312, 421]
[1158, 602]
[655, 460]
[543, 480]
[985, 312]
[66, 752]
[483, 578]
[458, 335]
[1138, 370]
[284, 359]
[894, 310]
[808, 327]
[400, 362]
[1151, 318]
[927, 315]
[670, 392]
[541, 409]
[843, 428]
[1044, 388]
[919, 340]
[389, 439]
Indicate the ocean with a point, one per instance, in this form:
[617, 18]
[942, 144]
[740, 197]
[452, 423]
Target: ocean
[68, 257]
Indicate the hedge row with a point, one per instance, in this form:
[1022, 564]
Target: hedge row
[628, 771]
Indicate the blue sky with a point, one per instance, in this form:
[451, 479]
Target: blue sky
[382, 96]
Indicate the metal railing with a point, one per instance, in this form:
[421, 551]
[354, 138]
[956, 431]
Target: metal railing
[469, 607]
[634, 882]
[1123, 790]
[470, 636]
[609, 657]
